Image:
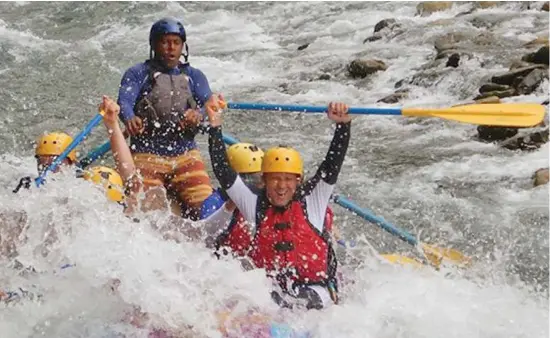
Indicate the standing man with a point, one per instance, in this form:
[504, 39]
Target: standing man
[160, 101]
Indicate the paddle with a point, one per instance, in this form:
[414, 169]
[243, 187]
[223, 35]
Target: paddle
[434, 254]
[501, 114]
[77, 140]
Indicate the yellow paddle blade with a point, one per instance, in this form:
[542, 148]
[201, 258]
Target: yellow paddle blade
[497, 114]
[403, 260]
[436, 255]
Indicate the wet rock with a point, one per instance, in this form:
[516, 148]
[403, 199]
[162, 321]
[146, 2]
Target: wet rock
[383, 24]
[509, 77]
[491, 87]
[383, 28]
[545, 7]
[540, 177]
[531, 81]
[304, 46]
[491, 133]
[498, 93]
[539, 57]
[531, 141]
[453, 60]
[395, 97]
[426, 8]
[399, 84]
[360, 68]
[373, 38]
[324, 77]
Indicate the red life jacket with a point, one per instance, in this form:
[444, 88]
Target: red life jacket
[288, 246]
[238, 236]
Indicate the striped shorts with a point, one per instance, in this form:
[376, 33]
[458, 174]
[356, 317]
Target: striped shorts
[184, 176]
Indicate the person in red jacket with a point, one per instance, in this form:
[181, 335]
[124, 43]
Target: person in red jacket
[226, 228]
[286, 219]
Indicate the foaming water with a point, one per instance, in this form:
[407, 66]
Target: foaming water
[429, 176]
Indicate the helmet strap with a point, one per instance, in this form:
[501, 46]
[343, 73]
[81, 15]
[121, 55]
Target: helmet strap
[185, 53]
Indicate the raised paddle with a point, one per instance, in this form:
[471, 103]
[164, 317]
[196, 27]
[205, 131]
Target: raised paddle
[501, 114]
[392, 258]
[434, 254]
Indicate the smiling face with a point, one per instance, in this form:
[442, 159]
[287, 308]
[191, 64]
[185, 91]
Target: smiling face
[169, 48]
[281, 187]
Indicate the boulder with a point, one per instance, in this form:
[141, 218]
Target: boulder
[304, 46]
[540, 177]
[491, 133]
[373, 38]
[426, 8]
[539, 57]
[383, 24]
[491, 87]
[509, 77]
[395, 97]
[545, 7]
[453, 60]
[530, 141]
[531, 81]
[384, 28]
[361, 68]
[498, 93]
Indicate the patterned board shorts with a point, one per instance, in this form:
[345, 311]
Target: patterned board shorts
[184, 176]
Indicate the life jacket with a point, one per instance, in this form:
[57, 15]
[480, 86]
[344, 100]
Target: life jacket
[237, 237]
[163, 104]
[288, 245]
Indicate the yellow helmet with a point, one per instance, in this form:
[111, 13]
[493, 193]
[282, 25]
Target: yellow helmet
[245, 158]
[110, 179]
[53, 144]
[283, 160]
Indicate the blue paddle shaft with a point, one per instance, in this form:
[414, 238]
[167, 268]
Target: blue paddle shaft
[369, 216]
[95, 154]
[311, 109]
[79, 138]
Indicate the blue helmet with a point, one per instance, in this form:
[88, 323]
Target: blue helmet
[163, 27]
